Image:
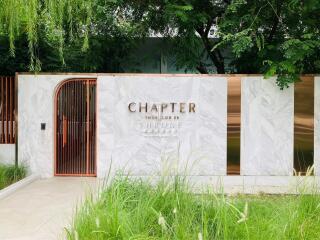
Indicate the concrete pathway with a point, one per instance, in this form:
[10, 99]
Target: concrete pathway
[41, 210]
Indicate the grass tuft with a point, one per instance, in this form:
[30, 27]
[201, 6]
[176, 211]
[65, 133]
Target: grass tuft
[10, 174]
[136, 209]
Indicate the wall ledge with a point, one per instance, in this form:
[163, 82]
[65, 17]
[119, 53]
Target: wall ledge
[18, 185]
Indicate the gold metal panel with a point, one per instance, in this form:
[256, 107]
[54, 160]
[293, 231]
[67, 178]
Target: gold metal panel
[233, 125]
[303, 124]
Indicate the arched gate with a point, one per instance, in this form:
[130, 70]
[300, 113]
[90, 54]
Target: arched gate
[75, 128]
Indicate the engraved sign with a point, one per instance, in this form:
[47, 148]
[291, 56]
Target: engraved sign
[160, 119]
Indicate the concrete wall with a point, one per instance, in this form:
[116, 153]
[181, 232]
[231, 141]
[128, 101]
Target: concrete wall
[7, 153]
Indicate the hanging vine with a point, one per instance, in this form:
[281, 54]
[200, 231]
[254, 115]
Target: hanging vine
[58, 19]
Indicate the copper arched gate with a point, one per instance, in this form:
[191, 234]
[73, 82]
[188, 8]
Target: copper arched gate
[75, 128]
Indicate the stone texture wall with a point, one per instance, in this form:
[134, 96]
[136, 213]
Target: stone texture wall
[193, 145]
[7, 153]
[127, 142]
[267, 118]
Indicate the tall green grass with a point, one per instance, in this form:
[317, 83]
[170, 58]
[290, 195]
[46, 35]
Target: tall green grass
[10, 174]
[135, 209]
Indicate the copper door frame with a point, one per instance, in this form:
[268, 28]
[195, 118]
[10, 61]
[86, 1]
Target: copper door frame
[57, 91]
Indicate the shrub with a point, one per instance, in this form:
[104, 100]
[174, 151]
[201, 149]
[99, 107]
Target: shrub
[10, 174]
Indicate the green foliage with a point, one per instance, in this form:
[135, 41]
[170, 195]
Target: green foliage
[10, 174]
[62, 35]
[136, 209]
[282, 37]
[269, 36]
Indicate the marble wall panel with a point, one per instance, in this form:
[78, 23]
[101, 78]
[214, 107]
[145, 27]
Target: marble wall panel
[7, 153]
[195, 146]
[267, 118]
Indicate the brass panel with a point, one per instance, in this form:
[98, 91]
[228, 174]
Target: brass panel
[233, 125]
[303, 124]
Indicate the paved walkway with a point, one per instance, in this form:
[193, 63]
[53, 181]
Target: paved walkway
[41, 210]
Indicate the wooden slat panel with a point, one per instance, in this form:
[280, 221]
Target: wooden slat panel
[7, 109]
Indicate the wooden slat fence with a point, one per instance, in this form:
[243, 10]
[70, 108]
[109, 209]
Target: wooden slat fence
[7, 110]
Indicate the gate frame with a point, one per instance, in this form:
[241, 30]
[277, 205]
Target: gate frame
[55, 110]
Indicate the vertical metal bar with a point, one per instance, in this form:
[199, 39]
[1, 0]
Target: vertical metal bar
[14, 110]
[61, 112]
[84, 126]
[94, 128]
[72, 124]
[91, 127]
[65, 156]
[77, 127]
[88, 127]
[59, 130]
[63, 93]
[67, 116]
[79, 124]
[70, 103]
[11, 110]
[6, 134]
[57, 133]
[16, 106]
[82, 134]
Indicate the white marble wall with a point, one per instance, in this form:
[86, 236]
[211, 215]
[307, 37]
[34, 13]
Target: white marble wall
[199, 147]
[35, 106]
[317, 125]
[7, 153]
[267, 118]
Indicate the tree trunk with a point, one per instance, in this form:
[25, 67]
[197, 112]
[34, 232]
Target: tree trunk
[215, 55]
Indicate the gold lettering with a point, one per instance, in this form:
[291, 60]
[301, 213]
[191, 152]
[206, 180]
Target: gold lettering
[192, 107]
[130, 105]
[182, 106]
[143, 107]
[172, 106]
[163, 106]
[154, 108]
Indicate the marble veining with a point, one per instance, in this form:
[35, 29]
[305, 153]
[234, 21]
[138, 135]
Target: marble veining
[198, 145]
[267, 116]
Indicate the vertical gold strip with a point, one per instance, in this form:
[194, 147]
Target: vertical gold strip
[233, 126]
[303, 124]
